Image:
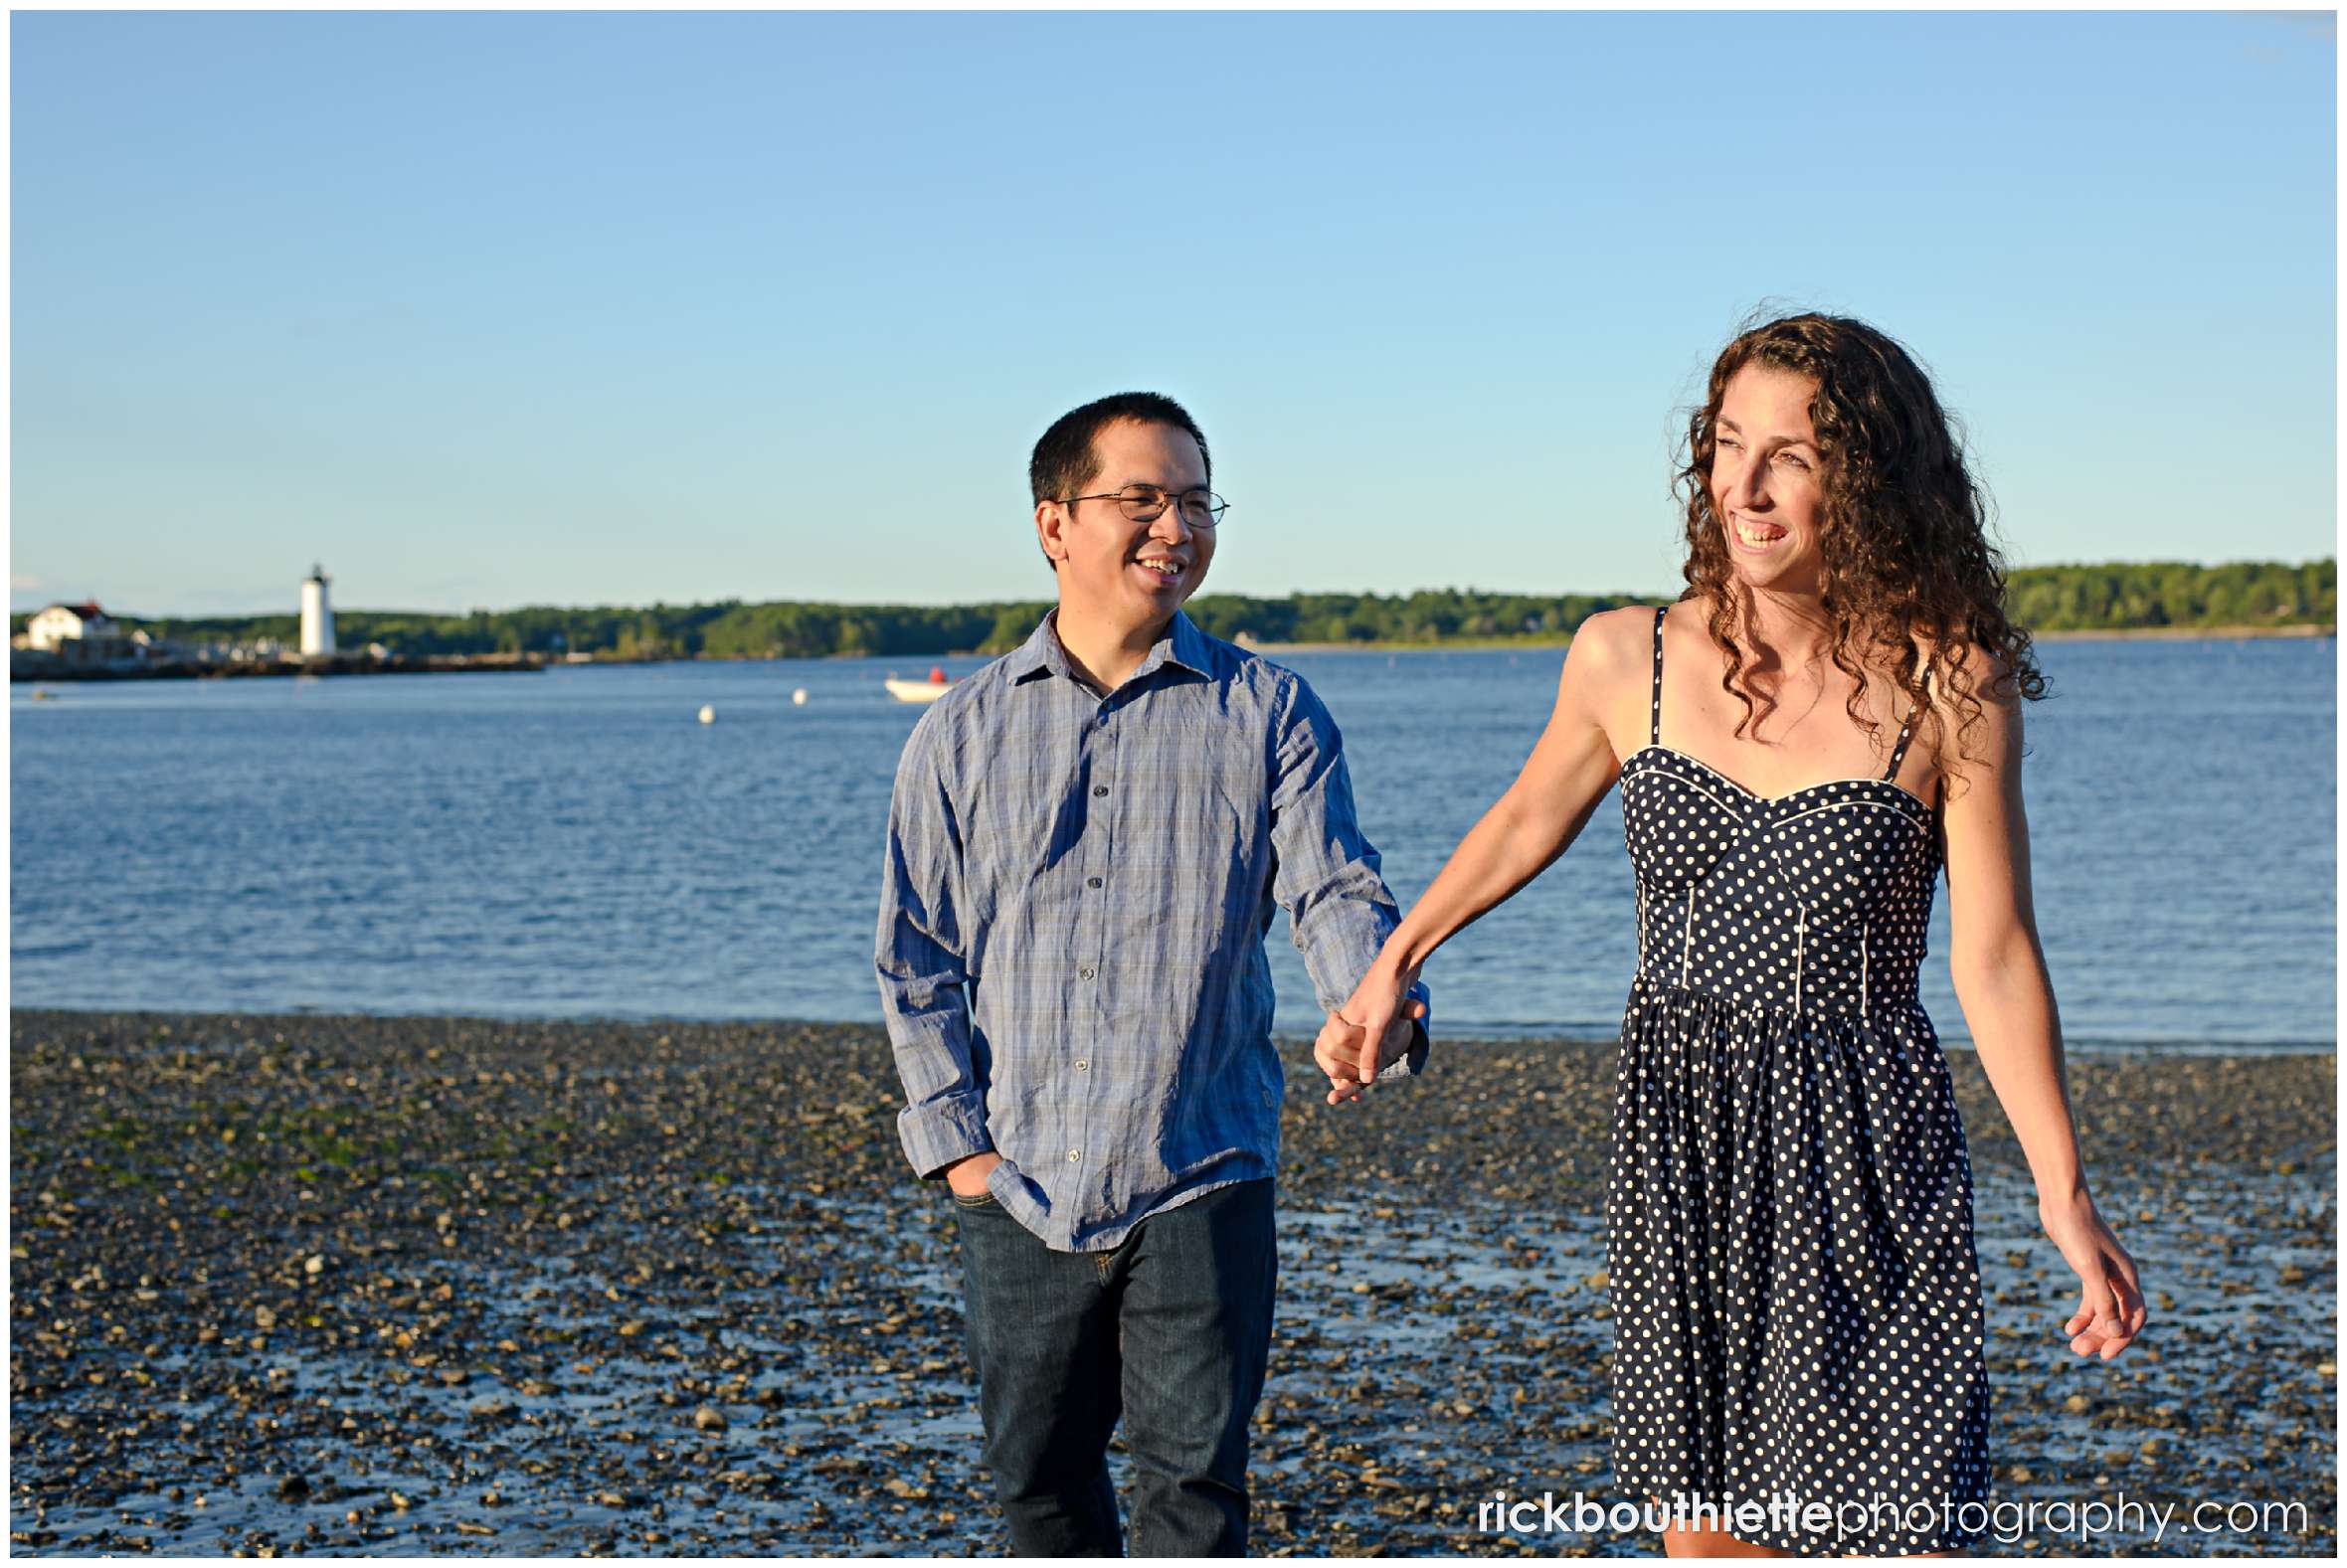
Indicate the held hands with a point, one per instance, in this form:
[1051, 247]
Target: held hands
[1367, 1034]
[2110, 1297]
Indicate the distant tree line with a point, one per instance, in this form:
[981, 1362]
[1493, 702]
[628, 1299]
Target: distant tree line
[2175, 594]
[2046, 598]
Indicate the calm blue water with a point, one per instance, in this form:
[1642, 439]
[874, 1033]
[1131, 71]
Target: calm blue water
[574, 844]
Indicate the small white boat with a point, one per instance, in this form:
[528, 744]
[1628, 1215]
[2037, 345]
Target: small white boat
[916, 690]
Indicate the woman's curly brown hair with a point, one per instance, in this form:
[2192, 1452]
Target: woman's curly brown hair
[1904, 535]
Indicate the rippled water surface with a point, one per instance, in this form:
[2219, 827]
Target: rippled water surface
[575, 844]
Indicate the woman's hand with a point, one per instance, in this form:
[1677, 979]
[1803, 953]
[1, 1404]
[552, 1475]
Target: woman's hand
[2110, 1297]
[1368, 1032]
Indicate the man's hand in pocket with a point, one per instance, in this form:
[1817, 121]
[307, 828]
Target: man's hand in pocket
[967, 1177]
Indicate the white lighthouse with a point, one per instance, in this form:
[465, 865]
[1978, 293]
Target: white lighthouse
[317, 617]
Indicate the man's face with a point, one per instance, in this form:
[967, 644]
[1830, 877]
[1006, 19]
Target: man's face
[1130, 575]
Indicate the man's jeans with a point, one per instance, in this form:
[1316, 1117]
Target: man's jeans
[1173, 1330]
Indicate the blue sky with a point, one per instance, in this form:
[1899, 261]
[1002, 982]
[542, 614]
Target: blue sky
[603, 308]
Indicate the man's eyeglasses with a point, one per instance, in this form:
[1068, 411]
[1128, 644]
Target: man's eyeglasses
[1145, 503]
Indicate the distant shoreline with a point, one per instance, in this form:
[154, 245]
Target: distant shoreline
[1562, 639]
[2182, 634]
[23, 672]
[452, 663]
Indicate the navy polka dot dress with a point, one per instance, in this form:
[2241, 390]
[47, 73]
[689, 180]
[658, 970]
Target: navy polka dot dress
[1796, 1299]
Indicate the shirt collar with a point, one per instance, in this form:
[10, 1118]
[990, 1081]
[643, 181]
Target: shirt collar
[1040, 654]
[1183, 644]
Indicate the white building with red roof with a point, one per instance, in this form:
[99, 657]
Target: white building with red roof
[61, 623]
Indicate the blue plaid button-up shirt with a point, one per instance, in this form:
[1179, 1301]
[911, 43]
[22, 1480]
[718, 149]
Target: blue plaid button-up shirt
[1072, 919]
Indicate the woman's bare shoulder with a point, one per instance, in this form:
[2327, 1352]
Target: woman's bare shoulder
[1968, 671]
[1607, 672]
[1613, 641]
[1976, 709]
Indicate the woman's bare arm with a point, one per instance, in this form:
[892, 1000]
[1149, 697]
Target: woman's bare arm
[1999, 969]
[1527, 828]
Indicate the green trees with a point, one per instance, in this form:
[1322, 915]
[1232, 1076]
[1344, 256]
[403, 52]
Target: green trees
[2175, 594]
[2046, 598]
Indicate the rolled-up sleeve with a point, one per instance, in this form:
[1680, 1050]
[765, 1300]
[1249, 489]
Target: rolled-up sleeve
[1328, 876]
[924, 980]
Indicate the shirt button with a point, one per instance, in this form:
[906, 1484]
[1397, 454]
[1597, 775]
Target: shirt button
[1074, 1154]
[1083, 1066]
[1083, 974]
[1092, 882]
[1100, 789]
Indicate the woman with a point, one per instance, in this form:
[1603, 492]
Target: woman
[1828, 715]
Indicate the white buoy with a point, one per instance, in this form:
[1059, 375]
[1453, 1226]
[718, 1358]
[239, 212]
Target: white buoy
[708, 714]
[798, 697]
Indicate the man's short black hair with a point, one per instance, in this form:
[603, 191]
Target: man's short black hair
[1064, 462]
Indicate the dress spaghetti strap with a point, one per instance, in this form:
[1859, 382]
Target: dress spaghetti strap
[1654, 734]
[1907, 733]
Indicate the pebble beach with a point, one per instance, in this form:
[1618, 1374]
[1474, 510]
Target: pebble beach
[447, 1286]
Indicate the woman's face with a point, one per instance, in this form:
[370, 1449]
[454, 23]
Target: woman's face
[1769, 480]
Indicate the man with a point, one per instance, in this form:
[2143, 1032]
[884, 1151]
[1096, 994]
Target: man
[1084, 848]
